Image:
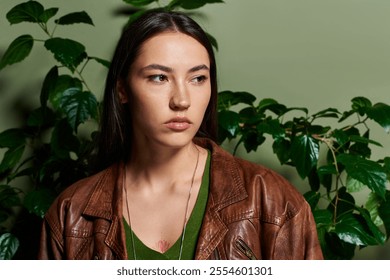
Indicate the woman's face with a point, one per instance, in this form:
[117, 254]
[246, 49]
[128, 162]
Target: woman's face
[168, 90]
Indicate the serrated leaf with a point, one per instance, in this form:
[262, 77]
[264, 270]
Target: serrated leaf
[272, 127]
[26, 12]
[354, 185]
[227, 99]
[104, 62]
[304, 154]
[374, 230]
[62, 83]
[351, 229]
[343, 203]
[9, 244]
[323, 218]
[12, 138]
[370, 173]
[364, 140]
[18, 50]
[372, 204]
[229, 121]
[48, 14]
[380, 113]
[68, 52]
[78, 106]
[384, 212]
[75, 17]
[252, 139]
[39, 201]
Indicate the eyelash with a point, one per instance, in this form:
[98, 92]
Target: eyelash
[159, 78]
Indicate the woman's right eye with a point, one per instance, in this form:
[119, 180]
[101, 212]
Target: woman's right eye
[158, 78]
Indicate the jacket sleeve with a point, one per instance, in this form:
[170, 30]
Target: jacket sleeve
[297, 239]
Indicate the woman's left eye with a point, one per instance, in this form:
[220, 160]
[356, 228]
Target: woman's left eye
[199, 79]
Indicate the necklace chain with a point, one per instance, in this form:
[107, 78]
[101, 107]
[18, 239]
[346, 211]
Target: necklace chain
[185, 213]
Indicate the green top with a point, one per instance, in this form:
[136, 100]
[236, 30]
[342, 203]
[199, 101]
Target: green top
[194, 224]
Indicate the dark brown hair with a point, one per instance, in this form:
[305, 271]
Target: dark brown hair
[115, 140]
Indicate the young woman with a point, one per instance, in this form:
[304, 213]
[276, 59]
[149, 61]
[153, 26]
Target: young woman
[165, 190]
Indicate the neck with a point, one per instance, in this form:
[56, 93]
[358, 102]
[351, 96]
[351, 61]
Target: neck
[162, 166]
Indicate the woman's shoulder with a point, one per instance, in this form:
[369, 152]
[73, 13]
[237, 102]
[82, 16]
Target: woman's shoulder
[77, 195]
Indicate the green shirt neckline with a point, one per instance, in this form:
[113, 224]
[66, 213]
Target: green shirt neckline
[194, 224]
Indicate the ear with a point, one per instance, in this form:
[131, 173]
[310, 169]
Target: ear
[122, 92]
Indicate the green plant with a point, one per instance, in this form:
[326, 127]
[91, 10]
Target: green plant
[52, 150]
[333, 176]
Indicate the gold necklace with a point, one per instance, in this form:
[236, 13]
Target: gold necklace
[185, 216]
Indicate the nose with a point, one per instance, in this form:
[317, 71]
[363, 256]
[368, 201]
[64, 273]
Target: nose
[180, 99]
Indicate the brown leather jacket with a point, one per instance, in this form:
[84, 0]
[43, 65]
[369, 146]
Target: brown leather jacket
[252, 213]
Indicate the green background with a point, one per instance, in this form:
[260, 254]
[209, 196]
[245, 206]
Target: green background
[307, 53]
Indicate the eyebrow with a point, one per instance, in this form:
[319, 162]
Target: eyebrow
[170, 70]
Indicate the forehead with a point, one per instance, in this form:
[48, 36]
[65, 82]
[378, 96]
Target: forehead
[172, 48]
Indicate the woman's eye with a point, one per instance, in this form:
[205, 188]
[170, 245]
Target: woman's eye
[199, 79]
[158, 78]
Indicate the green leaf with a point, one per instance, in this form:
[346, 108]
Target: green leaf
[191, 4]
[372, 205]
[304, 154]
[380, 113]
[41, 117]
[229, 121]
[361, 105]
[11, 158]
[341, 137]
[18, 50]
[312, 198]
[373, 229]
[272, 105]
[76, 17]
[39, 201]
[354, 185]
[12, 138]
[49, 85]
[30, 11]
[9, 197]
[226, 99]
[249, 116]
[62, 83]
[370, 173]
[282, 148]
[104, 62]
[343, 203]
[252, 139]
[63, 141]
[9, 244]
[213, 41]
[384, 212]
[364, 140]
[68, 52]
[327, 113]
[352, 229]
[323, 218]
[272, 127]
[78, 106]
[48, 14]
[139, 3]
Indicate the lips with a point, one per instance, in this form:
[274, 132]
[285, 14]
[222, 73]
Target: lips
[178, 124]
